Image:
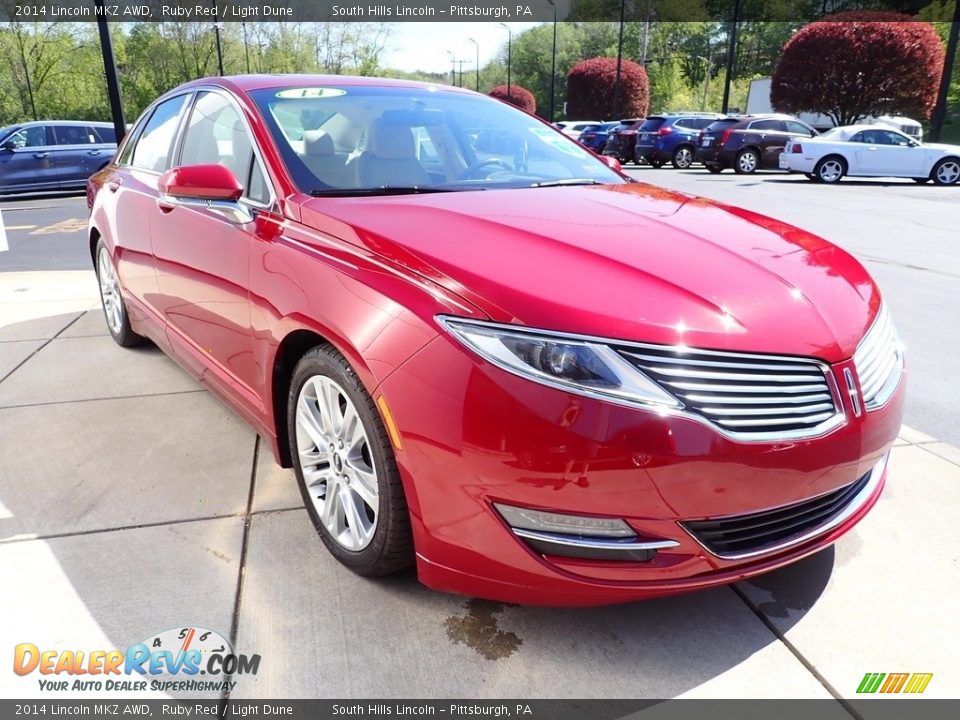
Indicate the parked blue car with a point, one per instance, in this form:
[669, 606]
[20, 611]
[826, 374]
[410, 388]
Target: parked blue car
[595, 136]
[670, 137]
[53, 154]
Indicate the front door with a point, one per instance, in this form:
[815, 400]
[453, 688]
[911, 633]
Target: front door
[202, 258]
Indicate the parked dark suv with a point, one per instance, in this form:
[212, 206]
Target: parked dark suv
[748, 142]
[670, 137]
[53, 154]
[622, 139]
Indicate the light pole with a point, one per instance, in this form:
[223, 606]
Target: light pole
[616, 86]
[453, 67]
[731, 53]
[216, 33]
[110, 70]
[553, 63]
[509, 55]
[477, 45]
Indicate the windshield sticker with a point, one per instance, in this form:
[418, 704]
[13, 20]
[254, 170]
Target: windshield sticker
[310, 92]
[556, 140]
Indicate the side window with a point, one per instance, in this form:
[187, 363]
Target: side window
[216, 134]
[796, 128]
[31, 137]
[766, 125]
[106, 135]
[74, 135]
[152, 150]
[894, 138]
[857, 137]
[701, 123]
[684, 123]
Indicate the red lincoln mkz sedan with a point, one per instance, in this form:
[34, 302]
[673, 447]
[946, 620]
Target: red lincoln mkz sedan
[485, 351]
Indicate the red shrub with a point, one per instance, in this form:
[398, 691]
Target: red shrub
[518, 95]
[855, 64]
[590, 89]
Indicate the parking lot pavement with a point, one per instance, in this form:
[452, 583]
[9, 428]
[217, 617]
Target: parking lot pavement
[132, 501]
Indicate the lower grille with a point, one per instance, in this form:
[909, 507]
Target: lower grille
[739, 536]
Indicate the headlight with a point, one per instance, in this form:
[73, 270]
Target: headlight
[579, 366]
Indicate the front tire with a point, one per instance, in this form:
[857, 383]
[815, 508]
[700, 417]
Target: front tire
[830, 170]
[111, 300]
[747, 162]
[946, 172]
[345, 466]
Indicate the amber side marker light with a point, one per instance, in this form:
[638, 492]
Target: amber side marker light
[389, 422]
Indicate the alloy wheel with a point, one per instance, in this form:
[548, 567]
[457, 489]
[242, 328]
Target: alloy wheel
[831, 171]
[336, 460]
[683, 158]
[747, 162]
[110, 292]
[948, 172]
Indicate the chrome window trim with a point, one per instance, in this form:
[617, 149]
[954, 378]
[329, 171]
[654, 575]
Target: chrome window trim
[854, 506]
[827, 426]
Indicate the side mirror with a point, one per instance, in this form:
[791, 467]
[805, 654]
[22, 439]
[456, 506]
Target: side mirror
[213, 187]
[9, 145]
[612, 162]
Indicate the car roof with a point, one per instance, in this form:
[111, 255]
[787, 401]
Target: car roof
[248, 83]
[80, 123]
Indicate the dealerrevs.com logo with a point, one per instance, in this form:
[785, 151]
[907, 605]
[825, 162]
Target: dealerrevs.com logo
[187, 659]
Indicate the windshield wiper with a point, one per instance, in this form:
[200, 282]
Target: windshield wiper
[382, 190]
[568, 181]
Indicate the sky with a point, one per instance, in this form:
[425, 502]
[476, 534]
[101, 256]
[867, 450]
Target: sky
[423, 46]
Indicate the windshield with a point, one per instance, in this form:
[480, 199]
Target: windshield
[652, 123]
[366, 138]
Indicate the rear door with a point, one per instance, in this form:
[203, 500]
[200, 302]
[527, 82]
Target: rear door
[770, 136]
[76, 146]
[30, 165]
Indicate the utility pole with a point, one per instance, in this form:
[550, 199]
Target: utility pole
[216, 33]
[477, 45]
[110, 72]
[460, 63]
[940, 109]
[509, 55]
[731, 54]
[453, 67]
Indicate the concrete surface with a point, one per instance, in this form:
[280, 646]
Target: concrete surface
[125, 491]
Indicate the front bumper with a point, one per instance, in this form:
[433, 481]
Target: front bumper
[474, 435]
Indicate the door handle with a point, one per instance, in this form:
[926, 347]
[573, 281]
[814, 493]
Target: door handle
[40, 155]
[114, 185]
[93, 152]
[871, 149]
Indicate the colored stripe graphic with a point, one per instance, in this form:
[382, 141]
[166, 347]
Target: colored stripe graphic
[918, 682]
[870, 682]
[894, 682]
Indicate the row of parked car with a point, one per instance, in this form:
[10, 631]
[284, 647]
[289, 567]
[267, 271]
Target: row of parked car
[747, 143]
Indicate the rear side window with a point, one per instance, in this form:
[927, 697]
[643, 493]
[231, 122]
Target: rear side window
[652, 123]
[700, 123]
[721, 125]
[74, 135]
[106, 135]
[772, 125]
[797, 128]
[152, 151]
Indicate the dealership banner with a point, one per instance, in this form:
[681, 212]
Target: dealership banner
[474, 709]
[425, 10]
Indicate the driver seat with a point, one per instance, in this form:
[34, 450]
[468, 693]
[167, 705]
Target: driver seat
[390, 158]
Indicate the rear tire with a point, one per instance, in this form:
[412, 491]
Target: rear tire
[683, 157]
[747, 162]
[946, 172]
[111, 300]
[344, 463]
[831, 169]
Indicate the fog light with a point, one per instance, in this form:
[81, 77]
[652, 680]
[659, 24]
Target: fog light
[579, 536]
[526, 519]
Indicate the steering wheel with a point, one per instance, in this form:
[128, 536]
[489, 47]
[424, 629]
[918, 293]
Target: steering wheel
[471, 172]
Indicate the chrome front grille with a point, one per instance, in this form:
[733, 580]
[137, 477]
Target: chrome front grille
[750, 397]
[879, 361]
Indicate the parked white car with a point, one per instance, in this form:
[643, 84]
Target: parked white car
[871, 151]
[573, 128]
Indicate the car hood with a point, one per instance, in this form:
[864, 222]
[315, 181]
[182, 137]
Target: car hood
[632, 262]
